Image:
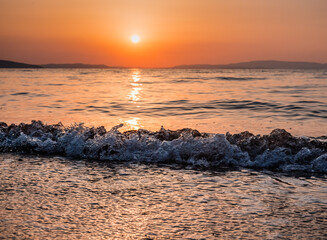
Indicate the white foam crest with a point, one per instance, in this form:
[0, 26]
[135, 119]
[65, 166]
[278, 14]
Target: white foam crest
[210, 151]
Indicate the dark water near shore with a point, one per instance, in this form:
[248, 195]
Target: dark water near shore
[57, 198]
[213, 101]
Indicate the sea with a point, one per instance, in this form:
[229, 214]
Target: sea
[124, 153]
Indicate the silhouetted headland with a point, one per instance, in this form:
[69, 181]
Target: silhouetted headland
[10, 64]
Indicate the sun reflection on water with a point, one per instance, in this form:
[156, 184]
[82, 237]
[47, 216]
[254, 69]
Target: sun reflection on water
[133, 123]
[134, 97]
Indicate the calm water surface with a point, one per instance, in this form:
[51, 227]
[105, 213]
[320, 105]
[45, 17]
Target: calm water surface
[208, 100]
[56, 198]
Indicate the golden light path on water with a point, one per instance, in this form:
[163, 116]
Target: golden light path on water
[133, 97]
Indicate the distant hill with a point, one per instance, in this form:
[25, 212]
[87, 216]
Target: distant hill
[10, 64]
[74, 65]
[258, 65]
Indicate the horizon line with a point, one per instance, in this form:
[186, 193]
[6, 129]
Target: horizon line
[166, 67]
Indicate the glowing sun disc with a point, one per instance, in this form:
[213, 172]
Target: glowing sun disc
[135, 38]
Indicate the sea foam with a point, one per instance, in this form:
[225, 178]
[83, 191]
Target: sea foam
[278, 151]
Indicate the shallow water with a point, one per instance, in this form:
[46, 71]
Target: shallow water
[58, 198]
[214, 101]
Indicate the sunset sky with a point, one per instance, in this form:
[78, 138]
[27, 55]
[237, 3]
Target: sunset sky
[171, 32]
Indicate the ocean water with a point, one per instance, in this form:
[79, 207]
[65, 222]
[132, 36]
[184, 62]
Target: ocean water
[56, 198]
[214, 101]
[163, 154]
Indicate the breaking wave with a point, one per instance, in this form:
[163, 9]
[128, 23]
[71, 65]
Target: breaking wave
[278, 151]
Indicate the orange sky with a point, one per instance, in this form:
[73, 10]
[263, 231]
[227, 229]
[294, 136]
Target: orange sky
[172, 31]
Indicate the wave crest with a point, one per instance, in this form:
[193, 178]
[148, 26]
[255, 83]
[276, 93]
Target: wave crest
[278, 151]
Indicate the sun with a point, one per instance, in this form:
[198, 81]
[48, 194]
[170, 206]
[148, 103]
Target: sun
[135, 38]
